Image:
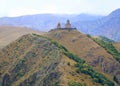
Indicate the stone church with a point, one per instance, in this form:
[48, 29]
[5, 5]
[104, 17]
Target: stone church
[67, 26]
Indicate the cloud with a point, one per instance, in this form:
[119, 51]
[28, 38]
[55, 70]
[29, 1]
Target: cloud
[18, 12]
[25, 7]
[23, 11]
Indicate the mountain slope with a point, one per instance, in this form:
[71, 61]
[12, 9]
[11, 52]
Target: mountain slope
[107, 26]
[111, 26]
[9, 34]
[79, 44]
[34, 60]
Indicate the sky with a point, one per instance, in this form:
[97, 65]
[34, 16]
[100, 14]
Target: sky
[12, 8]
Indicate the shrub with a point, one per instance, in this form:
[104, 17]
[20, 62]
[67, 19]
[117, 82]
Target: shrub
[115, 78]
[71, 83]
[68, 63]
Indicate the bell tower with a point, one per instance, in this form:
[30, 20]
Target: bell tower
[59, 26]
[68, 25]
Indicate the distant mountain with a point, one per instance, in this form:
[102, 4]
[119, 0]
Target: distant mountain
[45, 22]
[108, 26]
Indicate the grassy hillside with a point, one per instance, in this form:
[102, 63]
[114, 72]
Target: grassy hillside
[79, 44]
[9, 34]
[34, 60]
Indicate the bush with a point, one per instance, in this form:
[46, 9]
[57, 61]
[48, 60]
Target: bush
[68, 63]
[71, 83]
[88, 35]
[115, 78]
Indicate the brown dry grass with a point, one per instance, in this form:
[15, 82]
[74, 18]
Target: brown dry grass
[10, 33]
[117, 45]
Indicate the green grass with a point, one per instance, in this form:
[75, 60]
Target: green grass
[71, 83]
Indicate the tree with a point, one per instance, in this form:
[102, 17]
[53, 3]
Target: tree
[115, 79]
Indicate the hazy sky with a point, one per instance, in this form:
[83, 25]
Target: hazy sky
[26, 7]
